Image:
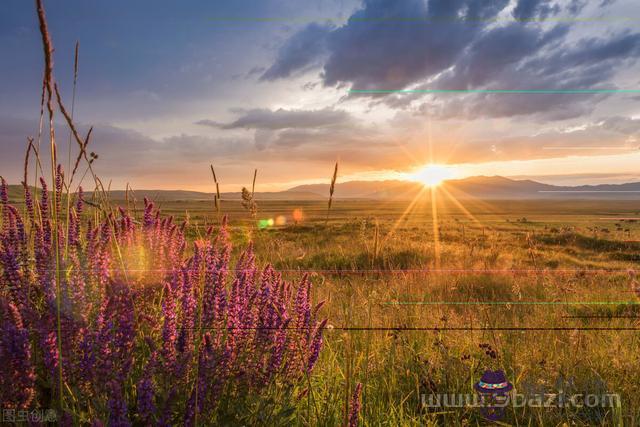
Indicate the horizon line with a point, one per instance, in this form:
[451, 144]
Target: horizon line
[516, 178]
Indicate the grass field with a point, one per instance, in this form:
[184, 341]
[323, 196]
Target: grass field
[499, 265]
[420, 300]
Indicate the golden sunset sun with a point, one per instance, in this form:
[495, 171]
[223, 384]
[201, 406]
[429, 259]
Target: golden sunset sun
[432, 175]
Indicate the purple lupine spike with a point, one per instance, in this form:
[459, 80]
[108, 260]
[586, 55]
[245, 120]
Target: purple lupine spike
[44, 214]
[266, 310]
[117, 406]
[72, 236]
[233, 312]
[146, 391]
[4, 200]
[302, 305]
[146, 394]
[148, 213]
[87, 355]
[4, 192]
[316, 345]
[91, 250]
[302, 327]
[188, 313]
[28, 201]
[103, 254]
[59, 183]
[49, 345]
[13, 256]
[125, 335]
[17, 384]
[200, 389]
[354, 413]
[117, 332]
[303, 309]
[214, 293]
[94, 342]
[279, 348]
[44, 263]
[80, 201]
[169, 328]
[44, 199]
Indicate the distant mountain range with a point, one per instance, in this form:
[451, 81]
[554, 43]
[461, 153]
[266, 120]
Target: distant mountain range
[478, 187]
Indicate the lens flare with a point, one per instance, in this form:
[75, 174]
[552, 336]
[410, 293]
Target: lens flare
[265, 223]
[432, 175]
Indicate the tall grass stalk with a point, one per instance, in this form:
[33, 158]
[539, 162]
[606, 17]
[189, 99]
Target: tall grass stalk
[332, 188]
[73, 107]
[217, 195]
[48, 82]
[253, 185]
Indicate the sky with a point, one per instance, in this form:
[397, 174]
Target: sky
[172, 87]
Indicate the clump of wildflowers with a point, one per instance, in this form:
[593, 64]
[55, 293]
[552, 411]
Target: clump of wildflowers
[142, 326]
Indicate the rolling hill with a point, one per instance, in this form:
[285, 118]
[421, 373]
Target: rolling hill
[479, 187]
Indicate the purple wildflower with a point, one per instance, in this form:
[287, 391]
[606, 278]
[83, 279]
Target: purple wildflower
[18, 380]
[4, 193]
[354, 414]
[117, 406]
[188, 312]
[146, 394]
[316, 345]
[148, 213]
[169, 329]
[28, 201]
[249, 313]
[59, 183]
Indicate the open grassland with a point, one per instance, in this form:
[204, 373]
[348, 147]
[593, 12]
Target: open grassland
[420, 299]
[400, 294]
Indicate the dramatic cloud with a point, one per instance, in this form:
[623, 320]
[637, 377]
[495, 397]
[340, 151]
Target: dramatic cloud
[530, 9]
[279, 126]
[300, 51]
[464, 44]
[590, 64]
[381, 48]
[283, 119]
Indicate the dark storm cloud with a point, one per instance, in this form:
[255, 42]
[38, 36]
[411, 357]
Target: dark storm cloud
[376, 47]
[576, 6]
[371, 53]
[498, 50]
[508, 57]
[400, 44]
[529, 9]
[283, 119]
[300, 51]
